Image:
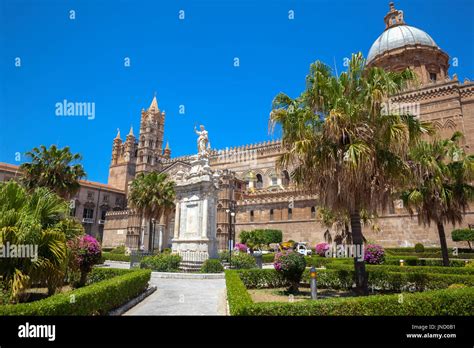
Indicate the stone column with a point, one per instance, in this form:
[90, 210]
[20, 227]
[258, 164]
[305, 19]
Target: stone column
[176, 221]
[205, 214]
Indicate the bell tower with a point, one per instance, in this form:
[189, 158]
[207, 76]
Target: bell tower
[150, 141]
[122, 167]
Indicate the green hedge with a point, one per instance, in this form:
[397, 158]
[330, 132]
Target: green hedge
[115, 257]
[95, 299]
[343, 278]
[454, 302]
[237, 294]
[413, 269]
[415, 261]
[99, 274]
[212, 266]
[463, 235]
[439, 302]
[163, 262]
[268, 258]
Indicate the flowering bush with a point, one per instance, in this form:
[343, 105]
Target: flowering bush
[321, 249]
[374, 254]
[84, 252]
[291, 266]
[243, 261]
[241, 247]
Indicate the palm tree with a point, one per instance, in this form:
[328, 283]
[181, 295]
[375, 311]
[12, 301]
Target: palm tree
[339, 222]
[53, 168]
[440, 190]
[34, 218]
[152, 195]
[341, 144]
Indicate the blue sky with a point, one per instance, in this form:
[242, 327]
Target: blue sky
[187, 62]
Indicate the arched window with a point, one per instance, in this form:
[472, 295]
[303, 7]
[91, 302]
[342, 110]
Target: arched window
[313, 212]
[290, 213]
[259, 181]
[271, 214]
[251, 216]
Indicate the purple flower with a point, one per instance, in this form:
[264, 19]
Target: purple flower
[321, 249]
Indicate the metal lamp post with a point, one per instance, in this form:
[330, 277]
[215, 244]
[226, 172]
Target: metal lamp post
[313, 282]
[231, 213]
[152, 244]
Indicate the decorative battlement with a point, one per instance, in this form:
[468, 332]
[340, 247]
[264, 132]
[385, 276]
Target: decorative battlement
[275, 195]
[436, 90]
[233, 153]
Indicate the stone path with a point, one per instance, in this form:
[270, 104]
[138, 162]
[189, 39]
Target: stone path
[183, 297]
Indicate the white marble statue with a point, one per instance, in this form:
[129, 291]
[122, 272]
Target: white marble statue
[202, 141]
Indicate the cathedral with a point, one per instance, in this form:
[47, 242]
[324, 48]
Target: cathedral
[252, 192]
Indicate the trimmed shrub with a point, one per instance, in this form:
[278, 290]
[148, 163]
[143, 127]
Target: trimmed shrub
[463, 235]
[212, 266]
[259, 237]
[115, 257]
[454, 302]
[321, 249]
[223, 256]
[419, 248]
[243, 261]
[268, 258]
[237, 294]
[118, 250]
[290, 265]
[96, 299]
[318, 261]
[343, 278]
[412, 269]
[432, 303]
[100, 274]
[161, 262]
[374, 254]
[470, 265]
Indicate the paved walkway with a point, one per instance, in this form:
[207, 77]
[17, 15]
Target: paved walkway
[183, 297]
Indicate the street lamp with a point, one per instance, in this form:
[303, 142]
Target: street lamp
[231, 213]
[152, 246]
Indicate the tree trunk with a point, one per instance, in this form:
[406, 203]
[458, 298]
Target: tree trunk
[83, 279]
[359, 265]
[444, 245]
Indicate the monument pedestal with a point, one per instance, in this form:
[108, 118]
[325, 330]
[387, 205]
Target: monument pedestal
[195, 220]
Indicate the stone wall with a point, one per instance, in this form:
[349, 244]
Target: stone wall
[115, 229]
[394, 231]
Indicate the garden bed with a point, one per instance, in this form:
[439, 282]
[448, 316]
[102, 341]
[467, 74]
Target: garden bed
[447, 301]
[107, 289]
[281, 295]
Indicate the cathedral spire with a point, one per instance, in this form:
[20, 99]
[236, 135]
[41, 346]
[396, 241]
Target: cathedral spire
[131, 131]
[118, 134]
[154, 104]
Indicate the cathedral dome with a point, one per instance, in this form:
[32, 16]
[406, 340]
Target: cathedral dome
[397, 37]
[402, 46]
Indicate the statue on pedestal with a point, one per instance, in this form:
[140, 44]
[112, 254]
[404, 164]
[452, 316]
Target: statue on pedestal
[202, 142]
